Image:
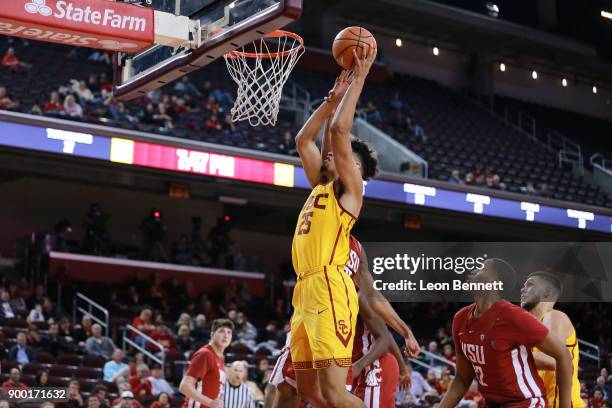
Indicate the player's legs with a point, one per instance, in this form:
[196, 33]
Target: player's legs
[389, 383]
[332, 382]
[286, 397]
[308, 388]
[271, 393]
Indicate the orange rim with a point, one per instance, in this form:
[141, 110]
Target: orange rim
[273, 34]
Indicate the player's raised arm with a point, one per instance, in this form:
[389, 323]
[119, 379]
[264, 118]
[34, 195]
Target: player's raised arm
[563, 361]
[346, 167]
[381, 335]
[383, 308]
[305, 141]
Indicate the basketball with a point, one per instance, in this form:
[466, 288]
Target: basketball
[349, 39]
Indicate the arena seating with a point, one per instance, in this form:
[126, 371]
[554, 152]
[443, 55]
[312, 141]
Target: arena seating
[459, 135]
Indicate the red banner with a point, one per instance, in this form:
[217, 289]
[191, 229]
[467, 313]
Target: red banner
[109, 25]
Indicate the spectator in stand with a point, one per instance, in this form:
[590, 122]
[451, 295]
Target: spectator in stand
[184, 319]
[212, 124]
[268, 338]
[184, 341]
[42, 379]
[143, 323]
[288, 144]
[48, 308]
[163, 401]
[101, 391]
[472, 398]
[83, 331]
[54, 343]
[600, 384]
[33, 336]
[396, 103]
[17, 302]
[246, 333]
[201, 332]
[372, 113]
[36, 314]
[596, 401]
[75, 399]
[98, 345]
[71, 108]
[6, 310]
[13, 63]
[14, 380]
[53, 105]
[164, 337]
[82, 91]
[126, 401]
[211, 105]
[469, 179]
[35, 110]
[158, 384]
[36, 297]
[529, 189]
[455, 177]
[448, 353]
[432, 379]
[258, 376]
[66, 331]
[21, 352]
[138, 360]
[93, 402]
[94, 84]
[433, 349]
[418, 386]
[185, 85]
[116, 369]
[415, 129]
[141, 386]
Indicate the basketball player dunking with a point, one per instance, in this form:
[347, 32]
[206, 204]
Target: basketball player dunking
[493, 339]
[538, 296]
[325, 300]
[378, 365]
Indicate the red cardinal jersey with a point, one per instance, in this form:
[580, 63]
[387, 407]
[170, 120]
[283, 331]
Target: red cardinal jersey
[208, 369]
[352, 264]
[498, 345]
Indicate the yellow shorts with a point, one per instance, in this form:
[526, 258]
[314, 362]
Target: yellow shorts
[323, 323]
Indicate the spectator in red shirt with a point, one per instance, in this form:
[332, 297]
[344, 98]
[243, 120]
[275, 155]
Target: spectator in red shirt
[213, 123]
[163, 336]
[14, 380]
[163, 401]
[13, 63]
[211, 105]
[5, 101]
[143, 323]
[205, 376]
[447, 353]
[141, 386]
[473, 397]
[596, 401]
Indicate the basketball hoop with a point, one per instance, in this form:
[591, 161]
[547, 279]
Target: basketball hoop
[261, 70]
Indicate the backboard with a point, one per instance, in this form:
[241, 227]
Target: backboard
[218, 26]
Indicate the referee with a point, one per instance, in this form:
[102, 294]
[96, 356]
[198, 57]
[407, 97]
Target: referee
[236, 394]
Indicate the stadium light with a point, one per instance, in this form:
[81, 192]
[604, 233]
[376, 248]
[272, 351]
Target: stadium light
[436, 51]
[564, 82]
[594, 89]
[534, 74]
[606, 14]
[502, 67]
[398, 42]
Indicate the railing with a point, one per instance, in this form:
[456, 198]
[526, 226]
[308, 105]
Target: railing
[438, 368]
[568, 151]
[91, 306]
[591, 352]
[159, 358]
[603, 164]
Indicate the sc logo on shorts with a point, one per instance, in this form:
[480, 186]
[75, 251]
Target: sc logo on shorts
[342, 327]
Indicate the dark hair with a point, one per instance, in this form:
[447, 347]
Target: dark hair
[550, 278]
[98, 388]
[219, 323]
[504, 271]
[39, 375]
[368, 157]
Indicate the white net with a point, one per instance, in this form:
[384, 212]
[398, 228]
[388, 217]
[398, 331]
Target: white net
[261, 75]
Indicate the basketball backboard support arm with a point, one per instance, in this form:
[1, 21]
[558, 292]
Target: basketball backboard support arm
[209, 36]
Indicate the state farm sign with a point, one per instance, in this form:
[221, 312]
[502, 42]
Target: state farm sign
[87, 23]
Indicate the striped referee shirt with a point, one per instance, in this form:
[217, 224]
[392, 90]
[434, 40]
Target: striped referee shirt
[237, 397]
